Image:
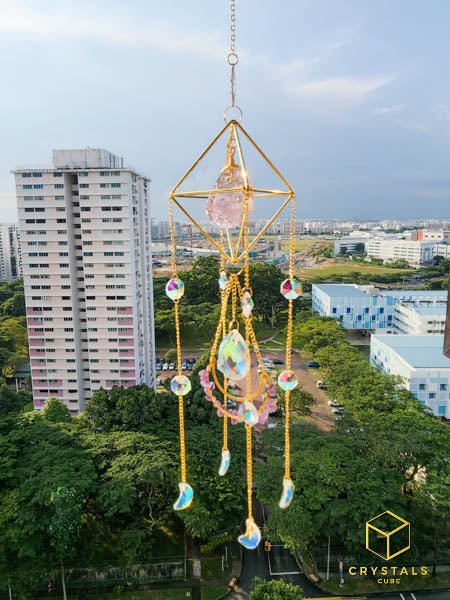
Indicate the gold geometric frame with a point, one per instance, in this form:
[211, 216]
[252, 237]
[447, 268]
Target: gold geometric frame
[234, 256]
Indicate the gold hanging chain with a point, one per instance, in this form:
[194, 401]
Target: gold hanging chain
[287, 441]
[233, 58]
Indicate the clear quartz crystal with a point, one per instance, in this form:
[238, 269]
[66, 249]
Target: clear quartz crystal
[225, 209]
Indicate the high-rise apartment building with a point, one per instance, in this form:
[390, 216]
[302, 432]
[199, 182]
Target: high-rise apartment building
[86, 252]
[10, 252]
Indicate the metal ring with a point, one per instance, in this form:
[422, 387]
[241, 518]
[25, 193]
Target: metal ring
[233, 59]
[228, 108]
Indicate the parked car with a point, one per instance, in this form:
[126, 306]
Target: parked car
[333, 403]
[277, 361]
[321, 385]
[172, 367]
[158, 366]
[313, 364]
[165, 366]
[338, 410]
[189, 366]
[184, 365]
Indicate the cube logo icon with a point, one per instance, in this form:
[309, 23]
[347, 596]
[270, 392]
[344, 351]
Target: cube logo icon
[388, 535]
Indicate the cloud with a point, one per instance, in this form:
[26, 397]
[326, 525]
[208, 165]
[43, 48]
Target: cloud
[18, 18]
[443, 112]
[340, 87]
[388, 110]
[118, 30]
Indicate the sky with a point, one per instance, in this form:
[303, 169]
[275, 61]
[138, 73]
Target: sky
[350, 99]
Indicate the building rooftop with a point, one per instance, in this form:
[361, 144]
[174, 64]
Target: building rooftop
[429, 310]
[419, 351]
[340, 289]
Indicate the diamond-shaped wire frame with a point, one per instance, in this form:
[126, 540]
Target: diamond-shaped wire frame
[234, 254]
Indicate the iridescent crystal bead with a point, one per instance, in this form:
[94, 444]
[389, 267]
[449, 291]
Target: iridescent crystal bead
[223, 280]
[247, 304]
[291, 288]
[231, 360]
[287, 380]
[175, 288]
[225, 209]
[180, 385]
[249, 412]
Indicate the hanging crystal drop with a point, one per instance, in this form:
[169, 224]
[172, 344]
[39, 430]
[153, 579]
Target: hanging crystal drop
[223, 280]
[185, 498]
[291, 288]
[288, 493]
[225, 462]
[249, 412]
[225, 209]
[180, 385]
[287, 380]
[231, 360]
[252, 536]
[175, 288]
[247, 304]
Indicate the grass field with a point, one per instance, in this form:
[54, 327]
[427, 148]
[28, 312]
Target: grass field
[302, 244]
[345, 269]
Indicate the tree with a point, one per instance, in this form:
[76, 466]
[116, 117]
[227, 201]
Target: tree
[10, 401]
[55, 411]
[266, 281]
[14, 306]
[275, 590]
[65, 525]
[317, 332]
[171, 355]
[359, 247]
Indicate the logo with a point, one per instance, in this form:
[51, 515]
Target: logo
[388, 535]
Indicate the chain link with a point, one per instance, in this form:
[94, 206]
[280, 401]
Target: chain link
[233, 58]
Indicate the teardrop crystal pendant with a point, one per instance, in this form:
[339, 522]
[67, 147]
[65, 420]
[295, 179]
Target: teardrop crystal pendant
[231, 360]
[247, 304]
[288, 493]
[291, 288]
[249, 412]
[223, 280]
[175, 288]
[252, 536]
[185, 498]
[287, 380]
[225, 209]
[225, 462]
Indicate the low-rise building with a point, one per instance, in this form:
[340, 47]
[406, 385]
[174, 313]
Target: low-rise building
[413, 252]
[366, 307]
[420, 318]
[420, 361]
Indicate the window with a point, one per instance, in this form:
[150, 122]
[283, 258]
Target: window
[39, 186]
[84, 185]
[37, 174]
[105, 185]
[26, 174]
[27, 187]
[59, 197]
[58, 186]
[83, 174]
[57, 174]
[443, 387]
[431, 395]
[422, 386]
[85, 208]
[115, 185]
[441, 410]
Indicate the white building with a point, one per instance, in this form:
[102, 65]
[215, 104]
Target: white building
[351, 244]
[413, 252]
[420, 361]
[10, 252]
[365, 307]
[86, 247]
[420, 318]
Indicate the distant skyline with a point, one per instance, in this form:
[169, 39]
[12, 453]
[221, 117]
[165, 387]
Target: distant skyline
[350, 100]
